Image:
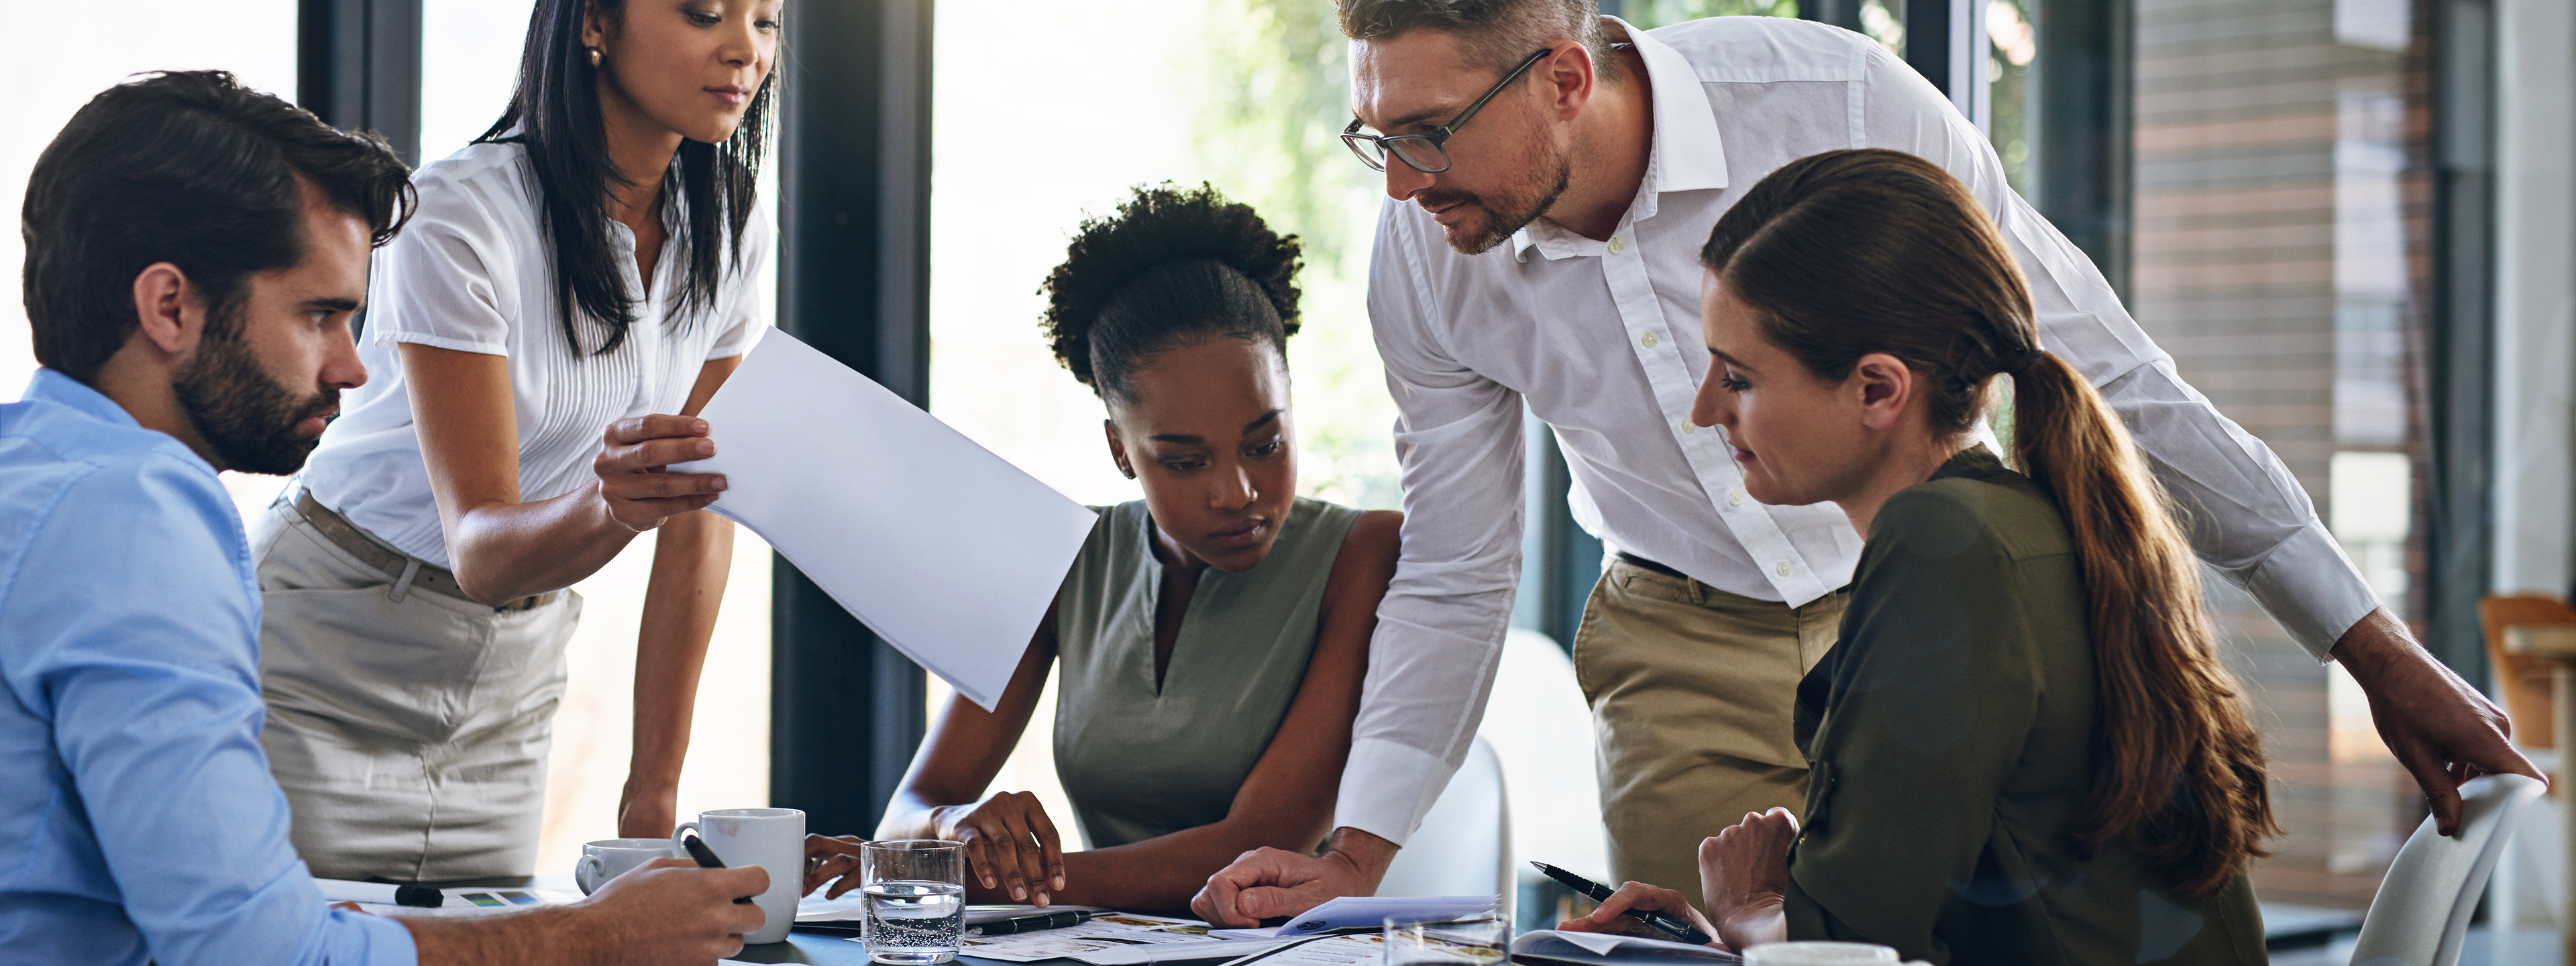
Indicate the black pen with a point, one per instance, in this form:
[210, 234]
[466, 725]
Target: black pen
[1599, 892]
[1042, 921]
[706, 856]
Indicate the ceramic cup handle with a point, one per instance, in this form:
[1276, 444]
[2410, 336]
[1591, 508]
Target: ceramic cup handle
[586, 874]
[684, 829]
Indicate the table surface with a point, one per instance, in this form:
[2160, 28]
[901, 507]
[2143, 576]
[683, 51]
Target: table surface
[2552, 641]
[802, 947]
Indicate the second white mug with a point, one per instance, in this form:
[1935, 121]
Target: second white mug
[609, 858]
[771, 838]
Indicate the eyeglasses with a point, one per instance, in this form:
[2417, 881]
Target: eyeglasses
[1423, 152]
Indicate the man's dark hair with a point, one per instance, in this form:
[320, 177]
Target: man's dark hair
[707, 193]
[189, 168]
[1172, 267]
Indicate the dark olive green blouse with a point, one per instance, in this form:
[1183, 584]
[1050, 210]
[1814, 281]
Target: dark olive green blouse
[1950, 736]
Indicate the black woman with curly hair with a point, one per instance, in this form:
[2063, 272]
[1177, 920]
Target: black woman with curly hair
[1213, 635]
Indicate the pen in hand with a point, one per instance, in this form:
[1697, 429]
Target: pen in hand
[706, 857]
[1600, 892]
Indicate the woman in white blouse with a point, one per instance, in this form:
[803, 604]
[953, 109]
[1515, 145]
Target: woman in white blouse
[570, 281]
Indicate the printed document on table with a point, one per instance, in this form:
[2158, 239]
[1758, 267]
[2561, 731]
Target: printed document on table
[944, 549]
[852, 906]
[1371, 912]
[1603, 949]
[1120, 932]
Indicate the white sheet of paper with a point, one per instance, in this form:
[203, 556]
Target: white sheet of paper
[944, 549]
[1372, 911]
[1613, 950]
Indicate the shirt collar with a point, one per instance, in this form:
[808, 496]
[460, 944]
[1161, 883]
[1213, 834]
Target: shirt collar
[50, 385]
[1685, 154]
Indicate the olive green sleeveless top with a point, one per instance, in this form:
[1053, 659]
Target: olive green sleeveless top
[1140, 762]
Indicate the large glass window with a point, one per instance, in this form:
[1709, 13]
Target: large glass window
[2282, 217]
[1101, 96]
[89, 47]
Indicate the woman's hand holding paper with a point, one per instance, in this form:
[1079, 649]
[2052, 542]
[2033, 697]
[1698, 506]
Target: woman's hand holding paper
[633, 453]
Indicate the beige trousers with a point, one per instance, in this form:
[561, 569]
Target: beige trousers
[1693, 691]
[409, 729]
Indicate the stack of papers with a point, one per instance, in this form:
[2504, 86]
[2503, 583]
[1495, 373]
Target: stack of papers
[1367, 912]
[1602, 949]
[853, 908]
[1118, 933]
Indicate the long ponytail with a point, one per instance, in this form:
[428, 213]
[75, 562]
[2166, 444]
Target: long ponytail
[1848, 253]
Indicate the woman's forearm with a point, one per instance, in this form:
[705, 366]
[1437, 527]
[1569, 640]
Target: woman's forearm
[692, 559]
[503, 551]
[1159, 874]
[911, 814]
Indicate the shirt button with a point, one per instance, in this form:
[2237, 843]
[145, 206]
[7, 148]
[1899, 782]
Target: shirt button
[1689, 427]
[1782, 568]
[1735, 498]
[1648, 339]
[1618, 245]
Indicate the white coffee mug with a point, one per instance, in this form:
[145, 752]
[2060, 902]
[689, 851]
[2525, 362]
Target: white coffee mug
[1818, 954]
[771, 838]
[609, 858]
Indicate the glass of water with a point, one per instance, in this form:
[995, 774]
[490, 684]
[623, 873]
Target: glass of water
[916, 900]
[1480, 940]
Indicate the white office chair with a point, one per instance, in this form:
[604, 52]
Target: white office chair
[1464, 847]
[2421, 914]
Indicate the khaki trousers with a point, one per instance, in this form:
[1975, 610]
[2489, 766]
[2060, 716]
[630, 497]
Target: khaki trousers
[1693, 692]
[409, 729]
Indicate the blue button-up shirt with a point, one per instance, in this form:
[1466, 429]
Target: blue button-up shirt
[138, 820]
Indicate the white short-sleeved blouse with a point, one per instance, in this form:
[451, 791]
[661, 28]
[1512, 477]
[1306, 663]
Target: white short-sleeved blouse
[471, 273]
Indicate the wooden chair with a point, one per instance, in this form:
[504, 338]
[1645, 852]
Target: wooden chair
[2524, 679]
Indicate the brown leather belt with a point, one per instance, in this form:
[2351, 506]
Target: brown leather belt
[1637, 561]
[406, 571]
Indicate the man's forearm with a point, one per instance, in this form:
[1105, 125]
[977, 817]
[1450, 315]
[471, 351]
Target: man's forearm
[558, 937]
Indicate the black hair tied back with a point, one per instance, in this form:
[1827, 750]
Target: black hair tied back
[1173, 266]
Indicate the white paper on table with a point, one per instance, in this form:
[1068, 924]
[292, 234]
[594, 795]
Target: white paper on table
[1349, 912]
[1121, 931]
[1605, 948]
[473, 902]
[1335, 951]
[1164, 952]
[853, 906]
[947, 551]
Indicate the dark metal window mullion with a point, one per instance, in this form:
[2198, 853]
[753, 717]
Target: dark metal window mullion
[846, 709]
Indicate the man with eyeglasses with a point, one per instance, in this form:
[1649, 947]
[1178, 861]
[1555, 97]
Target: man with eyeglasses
[1563, 170]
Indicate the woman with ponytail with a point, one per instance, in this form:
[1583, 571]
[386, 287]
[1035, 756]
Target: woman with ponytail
[2023, 747]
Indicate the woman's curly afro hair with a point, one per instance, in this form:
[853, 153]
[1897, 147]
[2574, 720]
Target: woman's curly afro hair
[1173, 266]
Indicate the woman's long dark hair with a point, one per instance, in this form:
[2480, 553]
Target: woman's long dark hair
[1847, 253]
[557, 110]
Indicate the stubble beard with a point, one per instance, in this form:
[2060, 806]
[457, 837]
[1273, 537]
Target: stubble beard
[1505, 216]
[247, 419]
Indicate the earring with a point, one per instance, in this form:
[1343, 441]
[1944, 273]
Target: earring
[594, 58]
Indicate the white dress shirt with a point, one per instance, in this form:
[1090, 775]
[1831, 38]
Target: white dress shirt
[470, 272]
[1602, 340]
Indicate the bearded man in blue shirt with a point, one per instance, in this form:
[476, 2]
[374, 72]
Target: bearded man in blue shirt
[195, 251]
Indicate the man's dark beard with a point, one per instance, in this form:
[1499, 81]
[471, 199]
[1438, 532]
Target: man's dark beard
[1501, 223]
[244, 416]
